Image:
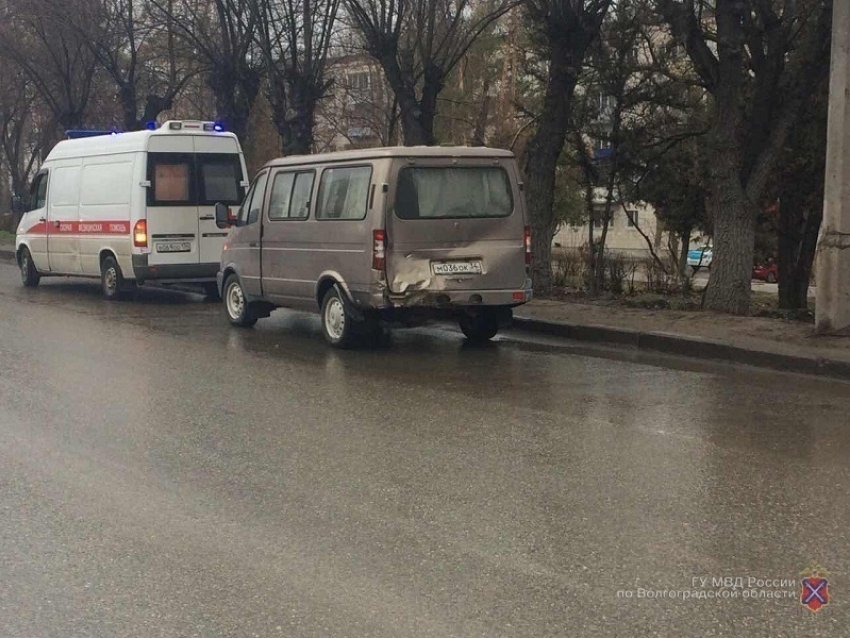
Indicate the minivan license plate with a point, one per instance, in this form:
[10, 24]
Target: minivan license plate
[173, 247]
[457, 268]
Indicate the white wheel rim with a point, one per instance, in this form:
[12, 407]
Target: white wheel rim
[335, 319]
[235, 301]
[25, 266]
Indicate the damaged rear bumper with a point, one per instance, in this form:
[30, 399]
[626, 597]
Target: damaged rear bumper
[450, 301]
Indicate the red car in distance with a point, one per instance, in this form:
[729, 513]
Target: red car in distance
[768, 272]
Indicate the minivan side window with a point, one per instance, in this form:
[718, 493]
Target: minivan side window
[344, 193]
[291, 195]
[250, 211]
[38, 193]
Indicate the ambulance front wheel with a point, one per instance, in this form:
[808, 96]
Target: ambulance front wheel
[29, 275]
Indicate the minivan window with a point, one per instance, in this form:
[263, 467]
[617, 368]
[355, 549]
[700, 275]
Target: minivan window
[219, 179]
[254, 202]
[291, 194]
[453, 192]
[344, 193]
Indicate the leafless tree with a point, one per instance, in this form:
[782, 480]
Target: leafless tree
[221, 34]
[22, 127]
[295, 38]
[418, 43]
[53, 55]
[137, 50]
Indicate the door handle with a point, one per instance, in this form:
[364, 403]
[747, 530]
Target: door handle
[208, 217]
[253, 244]
[42, 219]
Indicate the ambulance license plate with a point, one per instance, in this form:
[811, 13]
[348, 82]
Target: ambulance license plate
[173, 247]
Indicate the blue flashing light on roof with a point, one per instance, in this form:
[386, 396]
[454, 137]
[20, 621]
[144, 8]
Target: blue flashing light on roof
[151, 126]
[218, 127]
[82, 133]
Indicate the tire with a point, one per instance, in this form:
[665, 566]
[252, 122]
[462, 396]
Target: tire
[479, 327]
[211, 292]
[337, 325]
[29, 275]
[112, 280]
[771, 278]
[238, 309]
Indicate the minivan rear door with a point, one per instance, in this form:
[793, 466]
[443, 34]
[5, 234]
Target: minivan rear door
[455, 225]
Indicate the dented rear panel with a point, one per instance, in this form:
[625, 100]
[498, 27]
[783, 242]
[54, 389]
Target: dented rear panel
[455, 224]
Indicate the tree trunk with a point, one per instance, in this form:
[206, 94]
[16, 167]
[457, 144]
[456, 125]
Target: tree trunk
[684, 278]
[729, 287]
[541, 162]
[798, 234]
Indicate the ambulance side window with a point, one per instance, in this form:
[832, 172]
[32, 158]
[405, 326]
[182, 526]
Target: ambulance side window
[38, 193]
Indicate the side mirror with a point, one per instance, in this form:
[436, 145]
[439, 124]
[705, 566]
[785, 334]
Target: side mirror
[222, 216]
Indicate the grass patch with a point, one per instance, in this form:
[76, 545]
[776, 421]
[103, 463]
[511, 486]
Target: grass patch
[6, 236]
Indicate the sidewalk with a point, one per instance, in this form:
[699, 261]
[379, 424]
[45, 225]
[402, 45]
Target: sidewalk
[763, 342]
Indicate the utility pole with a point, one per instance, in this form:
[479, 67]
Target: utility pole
[833, 254]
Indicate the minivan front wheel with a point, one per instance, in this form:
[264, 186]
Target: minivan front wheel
[236, 305]
[337, 324]
[29, 275]
[479, 327]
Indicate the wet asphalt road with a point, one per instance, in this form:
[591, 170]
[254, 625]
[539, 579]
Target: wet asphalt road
[162, 474]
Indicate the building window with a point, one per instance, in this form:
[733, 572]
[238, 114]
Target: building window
[358, 85]
[632, 216]
[599, 216]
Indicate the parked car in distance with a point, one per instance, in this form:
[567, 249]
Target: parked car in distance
[768, 272]
[132, 207]
[399, 235]
[700, 258]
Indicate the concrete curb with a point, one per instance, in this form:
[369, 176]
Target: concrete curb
[686, 347]
[7, 252]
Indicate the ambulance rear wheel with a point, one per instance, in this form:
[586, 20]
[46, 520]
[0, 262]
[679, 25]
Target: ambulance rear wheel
[29, 275]
[111, 280]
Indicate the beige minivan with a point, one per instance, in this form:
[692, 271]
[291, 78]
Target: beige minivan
[381, 236]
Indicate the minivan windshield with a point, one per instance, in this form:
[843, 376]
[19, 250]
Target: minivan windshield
[453, 192]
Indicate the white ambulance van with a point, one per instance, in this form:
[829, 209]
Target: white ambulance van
[131, 208]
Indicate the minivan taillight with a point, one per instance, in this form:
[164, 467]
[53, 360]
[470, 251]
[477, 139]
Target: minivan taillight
[379, 249]
[528, 245]
[140, 234]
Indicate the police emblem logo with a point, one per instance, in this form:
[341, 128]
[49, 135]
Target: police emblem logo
[814, 588]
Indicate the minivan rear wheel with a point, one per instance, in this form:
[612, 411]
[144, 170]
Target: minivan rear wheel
[29, 275]
[236, 305]
[337, 324]
[479, 327]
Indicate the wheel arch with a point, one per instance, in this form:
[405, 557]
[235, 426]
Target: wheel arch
[328, 280]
